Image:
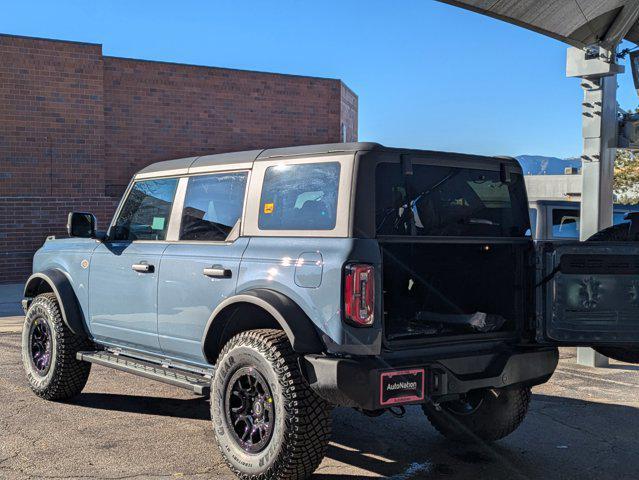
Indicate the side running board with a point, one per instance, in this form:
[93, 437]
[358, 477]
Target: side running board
[198, 384]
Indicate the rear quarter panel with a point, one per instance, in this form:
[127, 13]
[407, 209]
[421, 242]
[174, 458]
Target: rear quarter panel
[272, 263]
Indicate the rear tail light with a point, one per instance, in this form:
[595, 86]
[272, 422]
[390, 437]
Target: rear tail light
[359, 294]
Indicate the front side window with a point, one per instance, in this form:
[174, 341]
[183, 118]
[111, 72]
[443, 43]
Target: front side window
[565, 223]
[212, 206]
[300, 197]
[449, 201]
[146, 211]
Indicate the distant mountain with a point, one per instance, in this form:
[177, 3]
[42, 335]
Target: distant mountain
[540, 165]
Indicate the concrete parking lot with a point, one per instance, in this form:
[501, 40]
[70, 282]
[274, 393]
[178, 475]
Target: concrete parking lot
[583, 424]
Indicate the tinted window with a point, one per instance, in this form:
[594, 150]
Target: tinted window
[449, 201]
[618, 217]
[212, 206]
[300, 197]
[146, 211]
[565, 223]
[533, 222]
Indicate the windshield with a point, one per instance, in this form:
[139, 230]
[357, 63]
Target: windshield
[449, 201]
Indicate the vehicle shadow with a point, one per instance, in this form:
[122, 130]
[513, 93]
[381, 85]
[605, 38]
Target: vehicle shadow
[196, 408]
[560, 438]
[622, 366]
[407, 449]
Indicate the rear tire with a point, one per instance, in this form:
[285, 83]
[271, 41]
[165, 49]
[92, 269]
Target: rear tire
[483, 415]
[258, 388]
[49, 351]
[616, 233]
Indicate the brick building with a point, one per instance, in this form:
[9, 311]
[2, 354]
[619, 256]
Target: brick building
[75, 125]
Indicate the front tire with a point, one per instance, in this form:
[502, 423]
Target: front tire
[267, 421]
[484, 415]
[49, 351]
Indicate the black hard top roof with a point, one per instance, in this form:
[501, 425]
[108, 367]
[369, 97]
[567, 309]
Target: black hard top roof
[250, 156]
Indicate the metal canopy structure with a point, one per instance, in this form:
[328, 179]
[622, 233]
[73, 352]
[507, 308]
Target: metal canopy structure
[594, 29]
[579, 23]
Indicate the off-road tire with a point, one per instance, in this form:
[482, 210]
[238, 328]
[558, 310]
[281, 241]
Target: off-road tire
[302, 425]
[496, 417]
[616, 233]
[66, 376]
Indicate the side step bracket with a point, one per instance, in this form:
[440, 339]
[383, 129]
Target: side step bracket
[198, 384]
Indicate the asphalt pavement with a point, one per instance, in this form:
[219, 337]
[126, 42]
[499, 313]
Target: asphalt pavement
[583, 424]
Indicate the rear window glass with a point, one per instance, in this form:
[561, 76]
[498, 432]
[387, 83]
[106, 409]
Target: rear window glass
[449, 201]
[300, 197]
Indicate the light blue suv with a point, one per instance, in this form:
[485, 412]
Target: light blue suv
[284, 282]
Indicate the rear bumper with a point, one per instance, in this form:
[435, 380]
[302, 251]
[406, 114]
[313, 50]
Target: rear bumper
[356, 382]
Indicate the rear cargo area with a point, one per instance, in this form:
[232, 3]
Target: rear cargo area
[435, 290]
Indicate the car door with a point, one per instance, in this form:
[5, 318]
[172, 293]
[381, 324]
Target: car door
[123, 276]
[200, 269]
[588, 294]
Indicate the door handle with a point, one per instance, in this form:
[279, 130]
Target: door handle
[217, 271]
[143, 268]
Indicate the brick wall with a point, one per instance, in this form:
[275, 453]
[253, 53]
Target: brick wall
[348, 114]
[75, 125]
[161, 110]
[51, 120]
[26, 221]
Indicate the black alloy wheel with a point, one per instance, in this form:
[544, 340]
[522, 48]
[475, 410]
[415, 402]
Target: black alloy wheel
[250, 409]
[40, 346]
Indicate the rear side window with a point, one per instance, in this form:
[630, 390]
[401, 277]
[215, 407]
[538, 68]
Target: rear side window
[146, 211]
[565, 223]
[300, 197]
[212, 206]
[449, 201]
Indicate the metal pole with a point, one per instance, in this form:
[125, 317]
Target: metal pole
[599, 127]
[599, 150]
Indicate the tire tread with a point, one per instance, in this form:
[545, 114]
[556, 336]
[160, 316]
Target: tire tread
[490, 424]
[309, 422]
[69, 374]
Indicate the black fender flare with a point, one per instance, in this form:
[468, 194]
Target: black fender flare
[61, 287]
[299, 328]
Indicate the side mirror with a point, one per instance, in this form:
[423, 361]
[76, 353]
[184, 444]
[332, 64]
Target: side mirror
[81, 225]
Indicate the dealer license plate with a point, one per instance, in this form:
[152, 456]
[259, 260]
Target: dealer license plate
[401, 386]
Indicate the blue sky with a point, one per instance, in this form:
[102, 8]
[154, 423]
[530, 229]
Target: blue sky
[428, 75]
